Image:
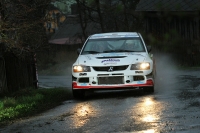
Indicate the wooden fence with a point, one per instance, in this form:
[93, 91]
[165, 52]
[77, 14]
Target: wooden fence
[3, 81]
[17, 73]
[177, 34]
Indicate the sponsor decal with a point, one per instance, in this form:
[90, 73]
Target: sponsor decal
[138, 71]
[83, 84]
[110, 61]
[82, 74]
[140, 82]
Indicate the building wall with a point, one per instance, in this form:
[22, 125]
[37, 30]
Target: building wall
[187, 27]
[177, 33]
[64, 5]
[54, 18]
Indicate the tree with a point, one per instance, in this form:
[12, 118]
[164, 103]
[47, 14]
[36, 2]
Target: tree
[22, 25]
[82, 16]
[111, 15]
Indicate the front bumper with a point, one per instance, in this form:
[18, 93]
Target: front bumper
[125, 82]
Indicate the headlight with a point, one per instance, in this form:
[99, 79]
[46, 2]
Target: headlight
[140, 66]
[79, 68]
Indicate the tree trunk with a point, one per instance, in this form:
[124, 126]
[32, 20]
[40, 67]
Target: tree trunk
[100, 15]
[82, 17]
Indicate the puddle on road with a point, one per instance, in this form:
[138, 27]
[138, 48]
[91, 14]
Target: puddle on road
[148, 111]
[82, 111]
[147, 131]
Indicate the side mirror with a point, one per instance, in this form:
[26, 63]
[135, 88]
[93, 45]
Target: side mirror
[78, 51]
[149, 48]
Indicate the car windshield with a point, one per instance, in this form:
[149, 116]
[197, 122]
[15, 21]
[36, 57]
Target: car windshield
[107, 45]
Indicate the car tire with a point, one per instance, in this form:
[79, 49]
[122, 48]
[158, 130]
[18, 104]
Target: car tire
[78, 94]
[149, 89]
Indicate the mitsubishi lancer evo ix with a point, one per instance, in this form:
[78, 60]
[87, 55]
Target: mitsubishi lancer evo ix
[118, 60]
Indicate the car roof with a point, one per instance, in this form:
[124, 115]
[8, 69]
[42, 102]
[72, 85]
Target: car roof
[114, 35]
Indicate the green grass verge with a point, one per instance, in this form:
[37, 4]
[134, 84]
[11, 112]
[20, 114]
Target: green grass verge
[28, 102]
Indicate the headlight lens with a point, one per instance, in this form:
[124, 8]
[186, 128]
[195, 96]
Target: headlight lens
[79, 68]
[140, 66]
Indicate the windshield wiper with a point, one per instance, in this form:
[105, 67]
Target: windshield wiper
[90, 52]
[109, 51]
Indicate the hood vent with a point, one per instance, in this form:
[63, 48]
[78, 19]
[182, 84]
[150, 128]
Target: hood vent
[106, 57]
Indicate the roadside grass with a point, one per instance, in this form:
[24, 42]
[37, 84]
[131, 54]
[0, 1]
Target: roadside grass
[29, 102]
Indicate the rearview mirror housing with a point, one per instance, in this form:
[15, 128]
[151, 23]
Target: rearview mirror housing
[78, 51]
[149, 48]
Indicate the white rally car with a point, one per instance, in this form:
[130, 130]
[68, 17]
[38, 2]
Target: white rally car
[118, 60]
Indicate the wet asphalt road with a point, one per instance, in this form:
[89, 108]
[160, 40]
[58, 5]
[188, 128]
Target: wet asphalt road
[45, 81]
[173, 108]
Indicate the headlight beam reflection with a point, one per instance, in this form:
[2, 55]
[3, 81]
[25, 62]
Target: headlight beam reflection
[83, 111]
[149, 110]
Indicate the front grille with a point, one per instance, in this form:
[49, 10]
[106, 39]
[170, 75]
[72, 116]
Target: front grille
[115, 68]
[111, 80]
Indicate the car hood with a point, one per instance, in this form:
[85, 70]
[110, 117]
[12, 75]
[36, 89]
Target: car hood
[111, 59]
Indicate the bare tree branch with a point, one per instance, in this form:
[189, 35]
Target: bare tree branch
[22, 25]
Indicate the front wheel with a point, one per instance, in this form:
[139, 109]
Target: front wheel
[78, 94]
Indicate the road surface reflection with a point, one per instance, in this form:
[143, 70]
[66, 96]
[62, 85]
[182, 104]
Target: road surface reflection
[148, 111]
[83, 114]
